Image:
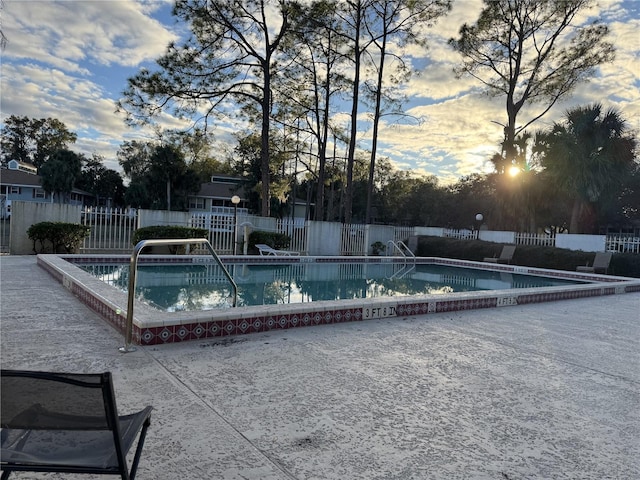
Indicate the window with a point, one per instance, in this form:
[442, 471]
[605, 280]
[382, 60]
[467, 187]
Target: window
[15, 190]
[39, 193]
[196, 203]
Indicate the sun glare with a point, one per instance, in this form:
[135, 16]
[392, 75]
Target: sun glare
[513, 171]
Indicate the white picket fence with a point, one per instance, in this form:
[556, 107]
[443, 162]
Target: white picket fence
[111, 229]
[623, 244]
[296, 229]
[353, 240]
[536, 239]
[403, 233]
[221, 230]
[462, 234]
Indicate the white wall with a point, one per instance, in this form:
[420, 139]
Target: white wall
[378, 233]
[429, 231]
[25, 214]
[497, 236]
[586, 243]
[324, 238]
[149, 218]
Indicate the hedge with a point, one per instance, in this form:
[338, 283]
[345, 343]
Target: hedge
[57, 237]
[168, 232]
[623, 264]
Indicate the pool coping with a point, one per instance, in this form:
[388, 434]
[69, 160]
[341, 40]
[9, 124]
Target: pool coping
[154, 327]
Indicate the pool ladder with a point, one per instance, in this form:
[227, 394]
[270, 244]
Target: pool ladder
[400, 247]
[133, 267]
[406, 253]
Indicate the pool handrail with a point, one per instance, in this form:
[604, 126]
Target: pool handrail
[133, 266]
[402, 248]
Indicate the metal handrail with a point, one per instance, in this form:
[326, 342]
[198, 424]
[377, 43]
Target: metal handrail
[404, 271]
[402, 248]
[133, 266]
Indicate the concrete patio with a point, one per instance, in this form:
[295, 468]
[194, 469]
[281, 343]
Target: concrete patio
[525, 392]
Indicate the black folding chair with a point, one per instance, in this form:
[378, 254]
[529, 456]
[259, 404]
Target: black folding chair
[66, 422]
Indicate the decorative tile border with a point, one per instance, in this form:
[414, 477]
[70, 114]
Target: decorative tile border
[152, 327]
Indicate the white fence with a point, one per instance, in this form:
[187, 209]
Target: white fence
[221, 230]
[537, 239]
[352, 241]
[297, 232]
[112, 231]
[623, 244]
[401, 234]
[4, 235]
[464, 234]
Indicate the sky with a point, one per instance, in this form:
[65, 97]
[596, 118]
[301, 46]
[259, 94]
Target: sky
[70, 60]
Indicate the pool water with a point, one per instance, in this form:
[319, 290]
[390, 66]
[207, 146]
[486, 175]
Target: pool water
[191, 287]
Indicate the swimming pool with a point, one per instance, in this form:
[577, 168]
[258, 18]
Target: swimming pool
[200, 286]
[152, 327]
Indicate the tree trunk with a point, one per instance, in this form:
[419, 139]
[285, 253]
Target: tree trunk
[510, 133]
[322, 152]
[348, 200]
[264, 143]
[376, 122]
[168, 194]
[576, 214]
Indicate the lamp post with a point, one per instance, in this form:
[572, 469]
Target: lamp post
[479, 218]
[235, 200]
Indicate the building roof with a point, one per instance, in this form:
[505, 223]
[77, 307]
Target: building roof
[19, 178]
[26, 167]
[222, 190]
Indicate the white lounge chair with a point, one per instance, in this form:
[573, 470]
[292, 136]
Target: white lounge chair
[267, 250]
[505, 256]
[600, 264]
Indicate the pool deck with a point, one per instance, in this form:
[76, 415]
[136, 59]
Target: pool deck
[548, 390]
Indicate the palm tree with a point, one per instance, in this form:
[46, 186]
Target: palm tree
[587, 156]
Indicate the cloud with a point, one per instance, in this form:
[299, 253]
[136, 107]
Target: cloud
[62, 34]
[458, 131]
[63, 60]
[70, 60]
[455, 137]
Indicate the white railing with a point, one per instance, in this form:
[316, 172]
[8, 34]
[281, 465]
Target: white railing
[229, 211]
[400, 234]
[5, 232]
[623, 244]
[296, 230]
[353, 241]
[221, 229]
[537, 239]
[111, 229]
[464, 234]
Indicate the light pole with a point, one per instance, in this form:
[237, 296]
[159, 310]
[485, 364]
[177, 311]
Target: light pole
[479, 218]
[235, 200]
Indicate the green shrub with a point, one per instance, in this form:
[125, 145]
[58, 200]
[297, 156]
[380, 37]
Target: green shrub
[378, 248]
[623, 264]
[279, 241]
[169, 232]
[57, 237]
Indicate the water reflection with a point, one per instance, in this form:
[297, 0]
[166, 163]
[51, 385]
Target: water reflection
[204, 287]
